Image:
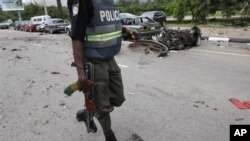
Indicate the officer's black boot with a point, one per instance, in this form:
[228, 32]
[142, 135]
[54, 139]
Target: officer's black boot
[110, 136]
[81, 116]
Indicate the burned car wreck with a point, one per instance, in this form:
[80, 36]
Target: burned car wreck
[180, 39]
[169, 39]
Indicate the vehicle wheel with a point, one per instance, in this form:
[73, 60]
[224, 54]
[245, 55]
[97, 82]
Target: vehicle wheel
[51, 31]
[197, 42]
[163, 24]
[68, 31]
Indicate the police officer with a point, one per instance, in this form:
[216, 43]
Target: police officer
[96, 38]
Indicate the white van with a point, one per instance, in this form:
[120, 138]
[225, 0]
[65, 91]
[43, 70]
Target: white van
[45, 19]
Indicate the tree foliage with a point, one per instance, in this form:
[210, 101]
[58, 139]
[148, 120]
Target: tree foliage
[32, 10]
[6, 15]
[180, 9]
[201, 10]
[59, 6]
[229, 7]
[198, 9]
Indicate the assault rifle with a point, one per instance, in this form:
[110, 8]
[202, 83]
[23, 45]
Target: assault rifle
[89, 96]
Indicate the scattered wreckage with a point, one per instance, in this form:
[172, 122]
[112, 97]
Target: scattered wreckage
[180, 39]
[169, 39]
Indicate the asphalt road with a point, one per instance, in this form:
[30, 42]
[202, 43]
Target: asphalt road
[183, 97]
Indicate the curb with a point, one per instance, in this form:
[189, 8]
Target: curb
[236, 40]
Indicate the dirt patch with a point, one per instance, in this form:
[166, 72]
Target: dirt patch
[229, 32]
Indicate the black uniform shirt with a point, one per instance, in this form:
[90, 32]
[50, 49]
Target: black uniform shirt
[81, 12]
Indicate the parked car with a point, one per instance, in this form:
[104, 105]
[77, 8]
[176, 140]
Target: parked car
[17, 25]
[57, 25]
[23, 24]
[9, 22]
[40, 27]
[126, 18]
[44, 19]
[4, 26]
[126, 15]
[144, 26]
[68, 29]
[30, 26]
[158, 16]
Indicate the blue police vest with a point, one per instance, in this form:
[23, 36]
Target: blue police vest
[103, 34]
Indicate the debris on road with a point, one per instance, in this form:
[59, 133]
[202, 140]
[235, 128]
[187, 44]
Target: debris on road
[18, 57]
[150, 46]
[45, 106]
[180, 39]
[16, 49]
[62, 103]
[173, 51]
[55, 72]
[196, 106]
[49, 87]
[135, 137]
[171, 39]
[239, 104]
[131, 93]
[73, 64]
[202, 102]
[44, 71]
[239, 119]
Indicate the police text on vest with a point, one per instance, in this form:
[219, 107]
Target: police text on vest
[109, 15]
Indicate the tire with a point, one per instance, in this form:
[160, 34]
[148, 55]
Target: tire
[51, 31]
[68, 31]
[163, 24]
[197, 42]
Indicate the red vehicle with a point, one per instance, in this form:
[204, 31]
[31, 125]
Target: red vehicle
[31, 27]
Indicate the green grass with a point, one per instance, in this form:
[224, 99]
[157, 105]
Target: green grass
[208, 25]
[217, 22]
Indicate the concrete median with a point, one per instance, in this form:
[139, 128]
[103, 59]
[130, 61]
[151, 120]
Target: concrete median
[236, 40]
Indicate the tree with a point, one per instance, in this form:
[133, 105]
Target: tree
[228, 7]
[7, 15]
[214, 6]
[59, 6]
[135, 7]
[180, 9]
[32, 10]
[246, 9]
[243, 6]
[201, 11]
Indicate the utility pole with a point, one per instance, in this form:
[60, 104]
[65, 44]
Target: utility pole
[45, 7]
[19, 15]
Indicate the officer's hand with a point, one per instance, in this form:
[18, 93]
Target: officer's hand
[131, 34]
[85, 84]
